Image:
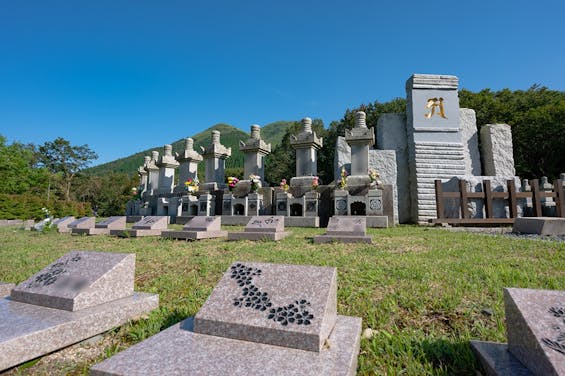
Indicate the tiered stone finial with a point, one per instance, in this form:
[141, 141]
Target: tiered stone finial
[255, 150]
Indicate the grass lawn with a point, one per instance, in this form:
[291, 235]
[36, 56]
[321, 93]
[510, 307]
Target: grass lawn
[425, 291]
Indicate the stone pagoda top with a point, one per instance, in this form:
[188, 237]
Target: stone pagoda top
[189, 154]
[307, 138]
[360, 134]
[216, 149]
[167, 160]
[255, 144]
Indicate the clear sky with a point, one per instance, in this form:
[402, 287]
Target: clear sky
[126, 75]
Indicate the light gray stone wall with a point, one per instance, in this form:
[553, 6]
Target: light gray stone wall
[391, 135]
[384, 161]
[496, 148]
[470, 140]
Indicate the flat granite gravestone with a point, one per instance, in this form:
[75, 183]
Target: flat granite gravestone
[261, 319]
[550, 226]
[6, 288]
[104, 227]
[199, 228]
[345, 229]
[80, 295]
[83, 223]
[535, 326]
[262, 228]
[148, 226]
[63, 224]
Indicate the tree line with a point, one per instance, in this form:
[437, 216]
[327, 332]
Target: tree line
[51, 175]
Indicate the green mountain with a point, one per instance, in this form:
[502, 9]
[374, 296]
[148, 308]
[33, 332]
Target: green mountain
[230, 137]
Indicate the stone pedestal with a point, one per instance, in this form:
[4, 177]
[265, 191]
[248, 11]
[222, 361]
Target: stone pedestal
[80, 295]
[206, 205]
[261, 319]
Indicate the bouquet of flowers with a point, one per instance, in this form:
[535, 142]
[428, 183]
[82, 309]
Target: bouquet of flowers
[232, 182]
[315, 182]
[135, 193]
[342, 183]
[255, 182]
[191, 185]
[374, 176]
[284, 185]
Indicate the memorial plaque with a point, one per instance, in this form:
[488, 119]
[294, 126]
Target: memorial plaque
[349, 225]
[284, 305]
[151, 223]
[204, 224]
[79, 280]
[112, 223]
[265, 224]
[535, 322]
[83, 223]
[345, 229]
[63, 224]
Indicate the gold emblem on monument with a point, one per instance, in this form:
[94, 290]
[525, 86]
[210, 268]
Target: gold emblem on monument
[433, 104]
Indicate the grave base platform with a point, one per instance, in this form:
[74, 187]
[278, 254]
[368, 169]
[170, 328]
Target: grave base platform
[302, 222]
[132, 233]
[194, 235]
[6, 288]
[342, 239]
[236, 220]
[91, 231]
[248, 235]
[179, 351]
[497, 360]
[377, 221]
[550, 226]
[29, 331]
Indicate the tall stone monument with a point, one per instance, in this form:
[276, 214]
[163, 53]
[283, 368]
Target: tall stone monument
[152, 174]
[188, 168]
[143, 176]
[306, 144]
[435, 148]
[360, 138]
[167, 164]
[255, 150]
[215, 156]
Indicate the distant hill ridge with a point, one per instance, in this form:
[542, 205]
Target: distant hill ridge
[229, 137]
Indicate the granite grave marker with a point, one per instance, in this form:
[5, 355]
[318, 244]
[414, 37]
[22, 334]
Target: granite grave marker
[261, 228]
[63, 224]
[104, 227]
[78, 296]
[266, 319]
[345, 229]
[199, 228]
[148, 226]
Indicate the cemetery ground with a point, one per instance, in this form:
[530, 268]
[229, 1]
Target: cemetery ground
[425, 292]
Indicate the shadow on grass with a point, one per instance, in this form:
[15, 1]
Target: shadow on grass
[449, 358]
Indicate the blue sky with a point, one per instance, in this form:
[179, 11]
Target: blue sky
[123, 76]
